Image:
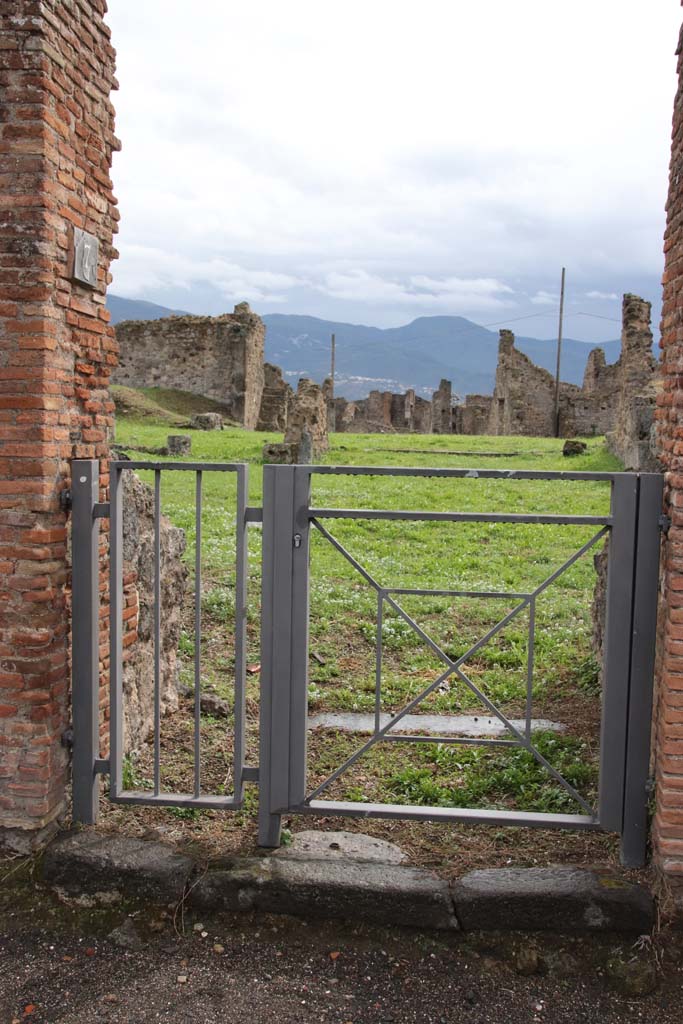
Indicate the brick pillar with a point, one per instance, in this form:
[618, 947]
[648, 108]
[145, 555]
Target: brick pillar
[56, 351]
[668, 822]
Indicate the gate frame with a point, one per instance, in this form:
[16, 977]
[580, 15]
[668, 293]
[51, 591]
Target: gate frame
[635, 523]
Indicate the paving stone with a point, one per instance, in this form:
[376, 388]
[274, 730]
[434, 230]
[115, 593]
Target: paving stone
[340, 846]
[551, 899]
[437, 725]
[85, 861]
[380, 893]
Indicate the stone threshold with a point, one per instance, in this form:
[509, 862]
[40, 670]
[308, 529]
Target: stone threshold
[342, 875]
[432, 725]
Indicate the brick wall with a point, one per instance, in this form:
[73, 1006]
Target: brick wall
[56, 353]
[668, 822]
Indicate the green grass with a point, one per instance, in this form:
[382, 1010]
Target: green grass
[437, 556]
[166, 405]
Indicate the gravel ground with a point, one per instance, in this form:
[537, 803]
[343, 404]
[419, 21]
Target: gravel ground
[277, 970]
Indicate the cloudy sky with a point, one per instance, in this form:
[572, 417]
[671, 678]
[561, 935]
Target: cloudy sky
[378, 160]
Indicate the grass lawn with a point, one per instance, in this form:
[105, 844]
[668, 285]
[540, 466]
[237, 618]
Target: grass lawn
[431, 556]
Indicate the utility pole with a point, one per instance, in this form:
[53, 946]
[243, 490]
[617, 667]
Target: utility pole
[332, 364]
[559, 356]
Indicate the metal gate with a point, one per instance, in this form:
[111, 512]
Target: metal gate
[633, 526]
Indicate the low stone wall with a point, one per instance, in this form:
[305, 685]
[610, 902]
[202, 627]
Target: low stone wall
[138, 601]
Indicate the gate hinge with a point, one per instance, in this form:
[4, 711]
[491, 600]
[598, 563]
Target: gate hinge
[65, 500]
[102, 766]
[101, 510]
[664, 523]
[249, 773]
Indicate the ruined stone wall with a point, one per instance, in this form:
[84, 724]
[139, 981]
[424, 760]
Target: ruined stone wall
[617, 397]
[275, 400]
[524, 396]
[219, 357]
[631, 437]
[56, 352]
[384, 412]
[667, 831]
[473, 415]
[307, 421]
[442, 401]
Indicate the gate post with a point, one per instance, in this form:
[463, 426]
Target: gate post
[643, 636]
[85, 659]
[284, 646]
[617, 657]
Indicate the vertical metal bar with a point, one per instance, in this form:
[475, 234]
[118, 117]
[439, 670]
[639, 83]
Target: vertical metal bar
[530, 669]
[115, 630]
[197, 632]
[157, 631]
[85, 688]
[299, 605]
[617, 651]
[378, 660]
[643, 641]
[278, 531]
[241, 576]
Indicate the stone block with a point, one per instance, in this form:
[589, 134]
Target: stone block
[87, 861]
[380, 893]
[571, 448]
[560, 899]
[284, 454]
[179, 444]
[207, 421]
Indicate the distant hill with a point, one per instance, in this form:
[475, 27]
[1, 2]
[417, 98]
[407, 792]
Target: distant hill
[416, 355]
[137, 309]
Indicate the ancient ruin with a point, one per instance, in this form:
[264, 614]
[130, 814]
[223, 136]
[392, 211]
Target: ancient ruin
[384, 412]
[616, 399]
[218, 357]
[275, 400]
[631, 437]
[306, 436]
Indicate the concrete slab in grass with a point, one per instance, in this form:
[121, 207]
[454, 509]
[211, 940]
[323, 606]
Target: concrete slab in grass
[379, 893]
[561, 899]
[86, 861]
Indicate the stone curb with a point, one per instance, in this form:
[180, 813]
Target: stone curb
[352, 883]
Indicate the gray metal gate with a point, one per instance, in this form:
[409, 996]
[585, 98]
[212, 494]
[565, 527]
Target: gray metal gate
[633, 526]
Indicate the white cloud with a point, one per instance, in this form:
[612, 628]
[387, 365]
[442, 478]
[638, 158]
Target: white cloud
[305, 141]
[542, 298]
[451, 294]
[601, 295]
[151, 270]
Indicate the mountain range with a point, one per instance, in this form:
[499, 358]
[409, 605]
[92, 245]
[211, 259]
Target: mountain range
[416, 355]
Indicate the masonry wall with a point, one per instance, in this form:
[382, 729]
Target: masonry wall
[219, 357]
[56, 353]
[386, 412]
[630, 435]
[667, 835]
